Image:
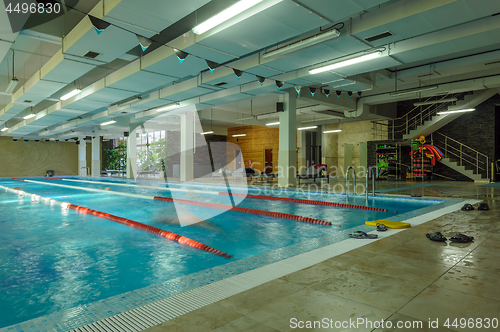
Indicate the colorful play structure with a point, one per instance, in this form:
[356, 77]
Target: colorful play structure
[423, 158]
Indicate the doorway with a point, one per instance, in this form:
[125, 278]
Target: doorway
[268, 160]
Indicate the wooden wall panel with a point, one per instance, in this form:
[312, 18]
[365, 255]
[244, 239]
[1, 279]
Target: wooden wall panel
[254, 144]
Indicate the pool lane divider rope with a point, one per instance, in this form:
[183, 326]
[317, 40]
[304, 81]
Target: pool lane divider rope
[305, 201]
[246, 210]
[195, 203]
[124, 221]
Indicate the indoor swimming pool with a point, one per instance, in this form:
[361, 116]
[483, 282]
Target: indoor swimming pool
[56, 259]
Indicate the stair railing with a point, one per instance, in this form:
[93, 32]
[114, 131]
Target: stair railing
[412, 122]
[464, 153]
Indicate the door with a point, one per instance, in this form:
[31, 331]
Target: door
[268, 167]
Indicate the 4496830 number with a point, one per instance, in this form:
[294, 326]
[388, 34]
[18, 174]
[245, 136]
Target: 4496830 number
[476, 323]
[32, 8]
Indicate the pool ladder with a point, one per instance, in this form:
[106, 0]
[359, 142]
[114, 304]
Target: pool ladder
[87, 171]
[371, 170]
[347, 182]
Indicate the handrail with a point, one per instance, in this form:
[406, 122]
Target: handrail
[468, 147]
[371, 170]
[347, 182]
[465, 154]
[473, 162]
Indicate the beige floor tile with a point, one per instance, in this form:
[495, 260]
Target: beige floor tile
[259, 296]
[437, 252]
[481, 260]
[404, 268]
[206, 318]
[245, 324]
[442, 304]
[399, 322]
[374, 289]
[471, 281]
[311, 305]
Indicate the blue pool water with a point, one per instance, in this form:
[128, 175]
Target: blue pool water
[52, 259]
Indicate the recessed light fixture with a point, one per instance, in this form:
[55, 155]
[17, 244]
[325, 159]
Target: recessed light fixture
[207, 132]
[239, 135]
[346, 63]
[108, 123]
[457, 111]
[4, 129]
[272, 123]
[166, 108]
[225, 15]
[71, 94]
[332, 131]
[305, 128]
[29, 116]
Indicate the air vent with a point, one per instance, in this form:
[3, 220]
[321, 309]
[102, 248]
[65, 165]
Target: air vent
[219, 84]
[379, 36]
[91, 55]
[492, 63]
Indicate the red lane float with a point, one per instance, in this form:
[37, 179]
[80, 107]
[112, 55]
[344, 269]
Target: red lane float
[151, 229]
[246, 210]
[17, 179]
[305, 201]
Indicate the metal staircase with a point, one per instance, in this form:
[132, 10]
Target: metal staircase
[462, 158]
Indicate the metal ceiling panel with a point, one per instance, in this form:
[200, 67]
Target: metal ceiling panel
[324, 78]
[171, 66]
[280, 22]
[209, 54]
[44, 88]
[152, 104]
[229, 99]
[110, 95]
[112, 43]
[263, 71]
[272, 88]
[337, 10]
[86, 105]
[142, 81]
[195, 92]
[153, 14]
[428, 52]
[67, 71]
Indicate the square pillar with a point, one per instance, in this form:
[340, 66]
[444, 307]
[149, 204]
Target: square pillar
[287, 157]
[132, 155]
[96, 156]
[82, 157]
[187, 146]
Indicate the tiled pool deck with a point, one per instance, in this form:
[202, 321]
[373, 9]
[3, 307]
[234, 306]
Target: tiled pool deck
[87, 314]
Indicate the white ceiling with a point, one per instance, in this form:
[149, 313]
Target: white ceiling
[434, 42]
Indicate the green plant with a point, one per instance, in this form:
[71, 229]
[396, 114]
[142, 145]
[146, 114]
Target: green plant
[154, 157]
[115, 158]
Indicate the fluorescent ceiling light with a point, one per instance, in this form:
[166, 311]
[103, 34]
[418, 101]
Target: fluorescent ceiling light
[225, 15]
[239, 135]
[408, 91]
[243, 119]
[208, 132]
[432, 102]
[457, 111]
[166, 108]
[305, 128]
[108, 123]
[272, 123]
[12, 85]
[346, 63]
[129, 101]
[29, 116]
[71, 94]
[4, 129]
[304, 43]
[332, 131]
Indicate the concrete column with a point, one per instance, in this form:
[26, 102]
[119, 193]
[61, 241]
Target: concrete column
[287, 157]
[301, 144]
[322, 142]
[82, 157]
[96, 157]
[132, 155]
[187, 146]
